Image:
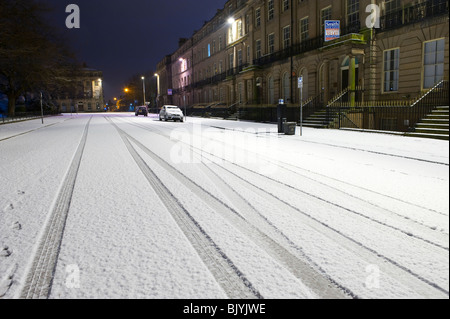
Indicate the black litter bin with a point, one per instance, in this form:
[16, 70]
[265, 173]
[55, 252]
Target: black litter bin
[281, 116]
[290, 128]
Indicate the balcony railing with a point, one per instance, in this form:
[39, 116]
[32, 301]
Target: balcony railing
[304, 46]
[354, 27]
[24, 116]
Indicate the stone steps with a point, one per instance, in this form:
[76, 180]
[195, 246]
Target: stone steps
[435, 125]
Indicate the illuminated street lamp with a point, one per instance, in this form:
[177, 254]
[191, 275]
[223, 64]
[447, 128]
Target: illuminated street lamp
[100, 97]
[128, 95]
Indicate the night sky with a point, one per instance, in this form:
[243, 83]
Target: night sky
[127, 37]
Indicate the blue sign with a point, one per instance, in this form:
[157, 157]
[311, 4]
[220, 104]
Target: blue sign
[332, 30]
[300, 82]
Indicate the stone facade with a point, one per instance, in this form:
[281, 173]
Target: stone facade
[84, 93]
[253, 52]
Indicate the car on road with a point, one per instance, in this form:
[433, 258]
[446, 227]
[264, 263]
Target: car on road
[171, 112]
[141, 110]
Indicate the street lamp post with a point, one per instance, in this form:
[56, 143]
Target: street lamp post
[143, 86]
[100, 96]
[183, 68]
[157, 88]
[231, 21]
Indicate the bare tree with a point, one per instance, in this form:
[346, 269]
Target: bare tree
[136, 90]
[33, 57]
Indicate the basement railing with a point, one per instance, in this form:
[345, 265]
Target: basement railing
[390, 115]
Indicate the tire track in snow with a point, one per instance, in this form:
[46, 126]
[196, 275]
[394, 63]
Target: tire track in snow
[313, 276]
[228, 276]
[345, 239]
[387, 210]
[429, 210]
[344, 147]
[39, 279]
[352, 211]
[325, 228]
[308, 272]
[278, 162]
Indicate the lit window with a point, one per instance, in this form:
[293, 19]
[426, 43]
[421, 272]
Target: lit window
[235, 32]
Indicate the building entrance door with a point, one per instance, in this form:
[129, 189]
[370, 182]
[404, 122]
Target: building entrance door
[345, 76]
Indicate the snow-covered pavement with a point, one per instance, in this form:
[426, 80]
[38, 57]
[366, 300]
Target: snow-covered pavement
[118, 206]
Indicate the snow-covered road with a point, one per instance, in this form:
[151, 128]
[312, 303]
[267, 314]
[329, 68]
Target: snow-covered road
[118, 206]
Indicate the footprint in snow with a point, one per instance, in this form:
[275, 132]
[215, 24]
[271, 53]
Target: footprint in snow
[7, 281]
[5, 252]
[7, 208]
[17, 226]
[5, 284]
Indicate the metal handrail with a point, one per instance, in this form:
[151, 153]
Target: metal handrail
[427, 93]
[237, 103]
[211, 105]
[337, 97]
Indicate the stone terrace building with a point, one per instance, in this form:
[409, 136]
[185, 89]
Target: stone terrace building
[84, 93]
[253, 51]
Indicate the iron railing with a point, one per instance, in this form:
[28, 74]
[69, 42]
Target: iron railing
[397, 116]
[24, 116]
